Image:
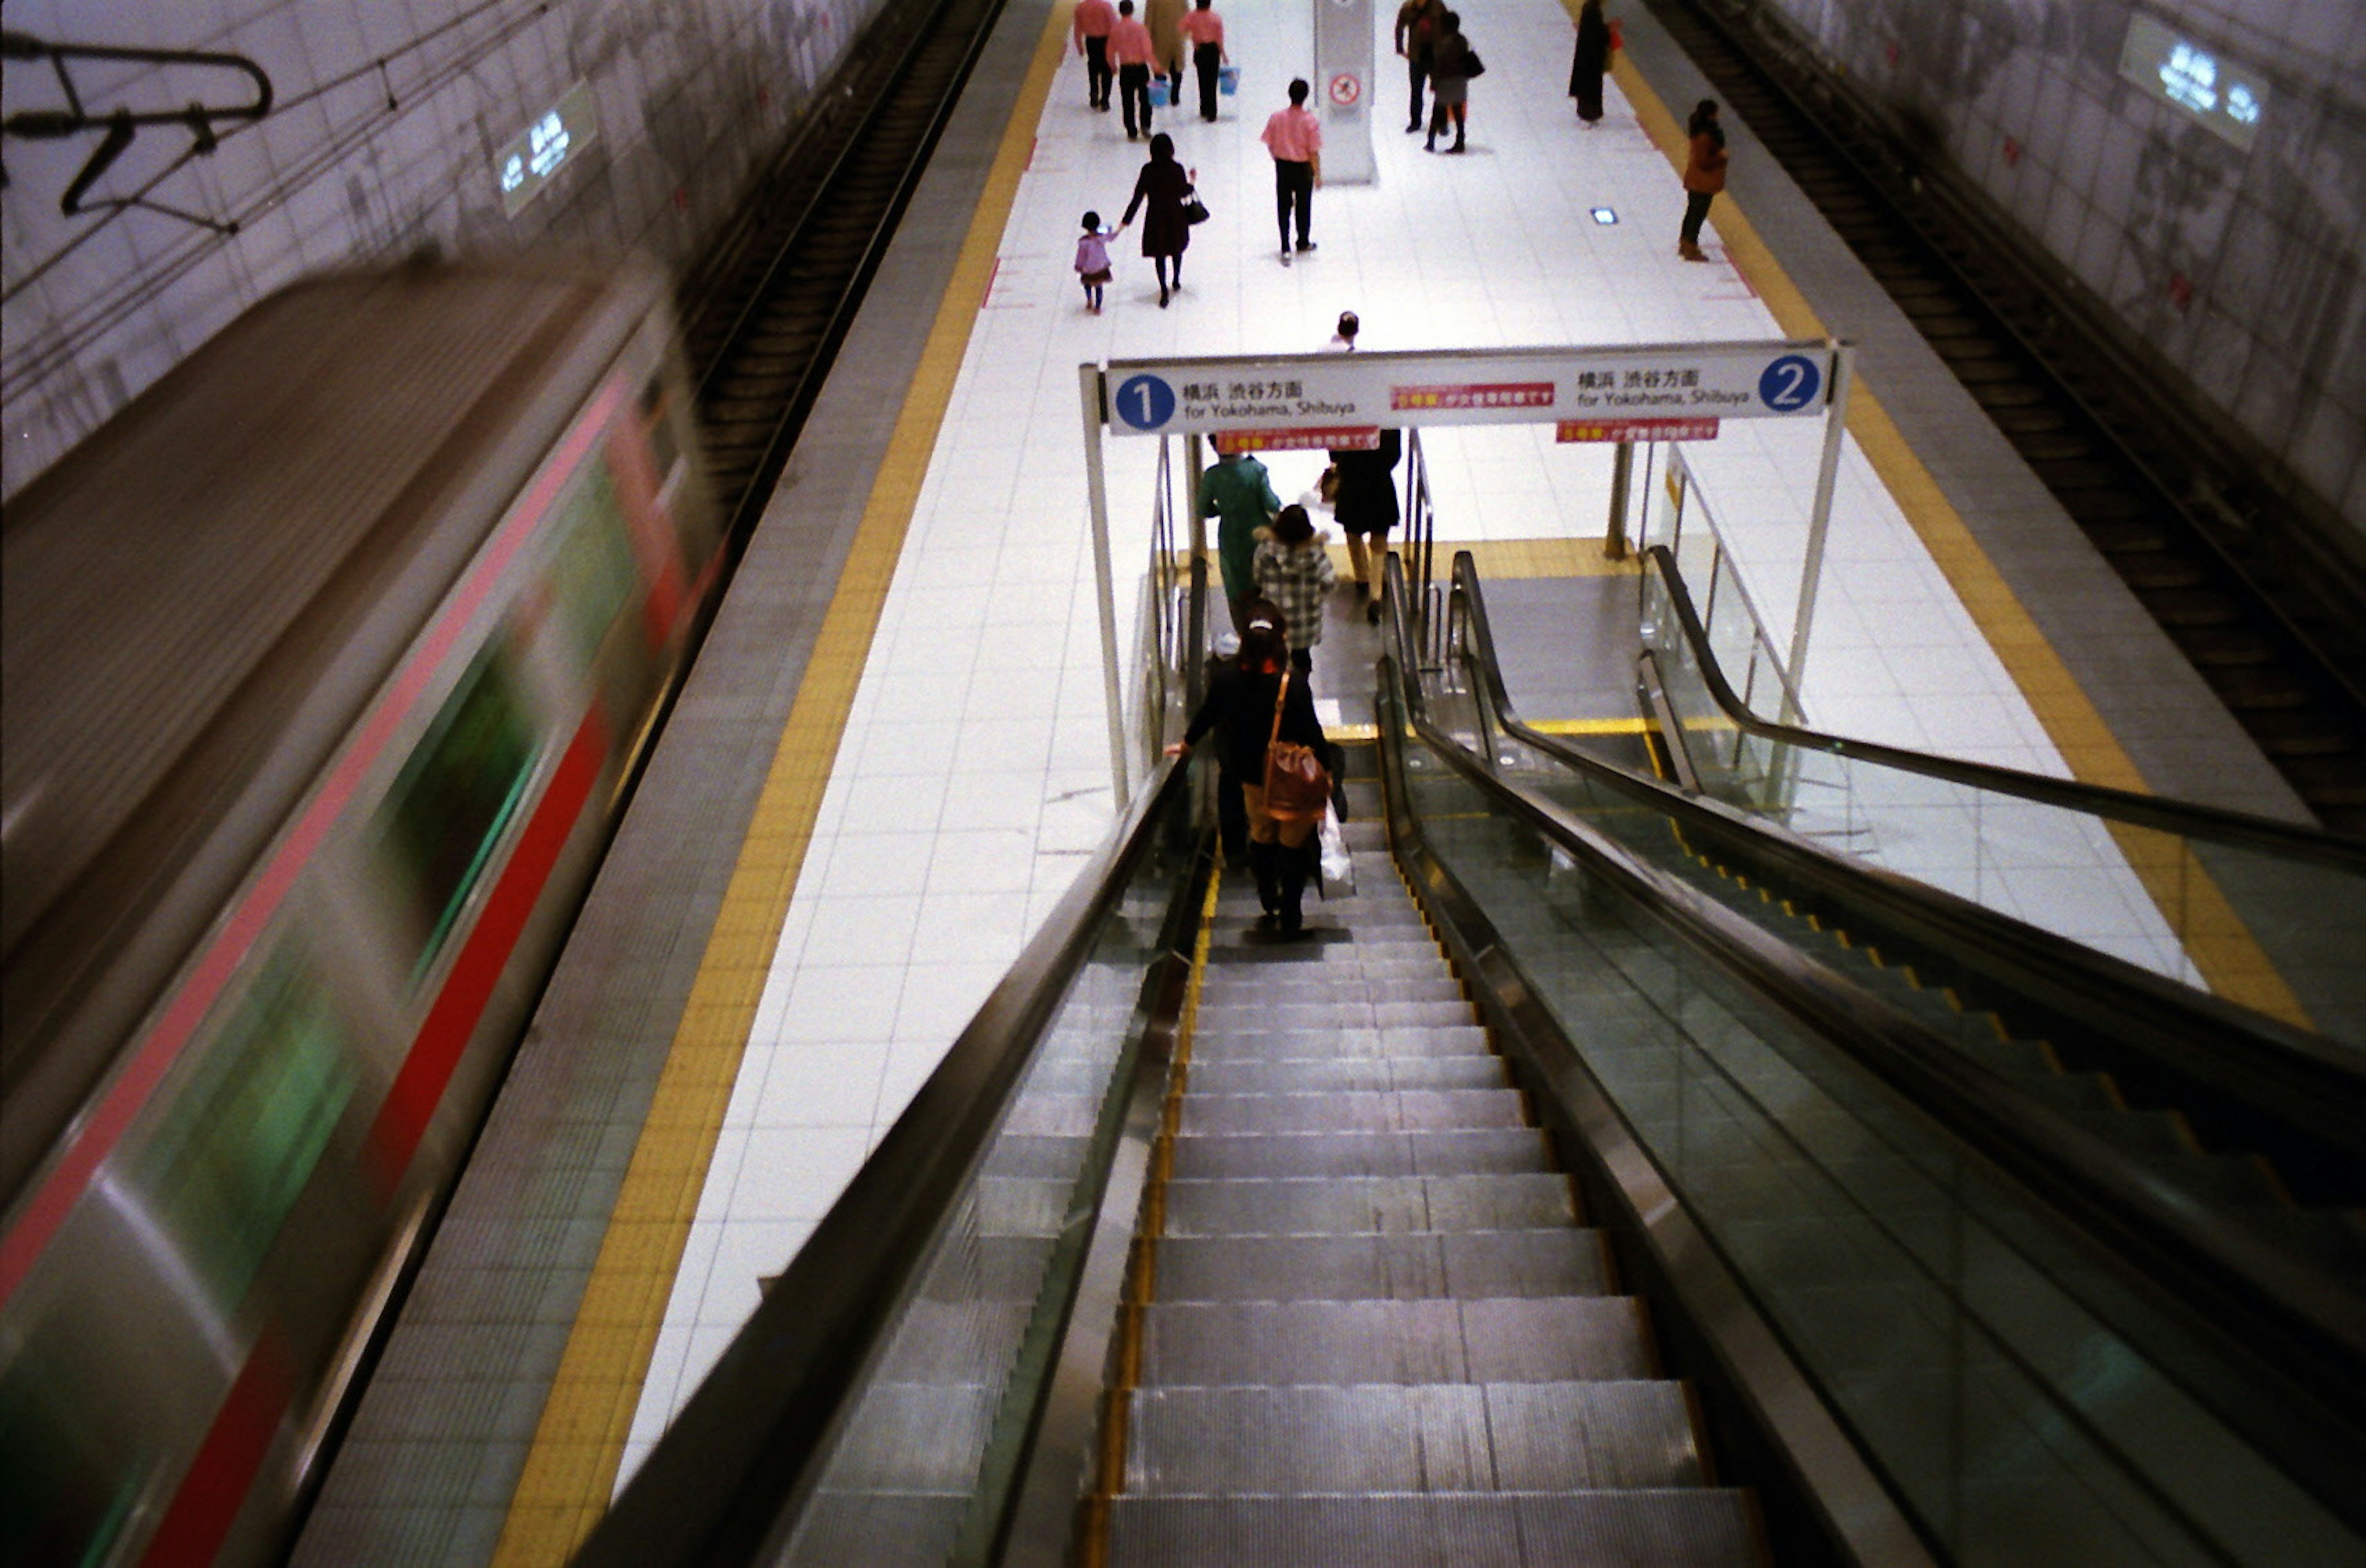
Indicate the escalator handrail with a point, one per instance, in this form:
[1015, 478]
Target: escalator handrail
[753, 1439]
[2191, 820]
[2307, 1080]
[2297, 1325]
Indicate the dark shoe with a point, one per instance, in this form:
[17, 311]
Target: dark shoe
[1264, 862]
[1430, 145]
[1412, 127]
[1162, 298]
[1457, 147]
[1372, 613]
[1363, 592]
[1307, 245]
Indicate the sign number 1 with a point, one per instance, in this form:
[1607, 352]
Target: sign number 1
[1144, 402]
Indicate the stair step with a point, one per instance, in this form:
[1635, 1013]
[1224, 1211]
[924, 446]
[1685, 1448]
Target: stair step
[1694, 1527]
[1352, 1110]
[1368, 1205]
[1492, 1152]
[1420, 1267]
[1547, 1339]
[1270, 1044]
[1326, 1074]
[1428, 1438]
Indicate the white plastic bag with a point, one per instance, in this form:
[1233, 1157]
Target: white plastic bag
[1338, 866]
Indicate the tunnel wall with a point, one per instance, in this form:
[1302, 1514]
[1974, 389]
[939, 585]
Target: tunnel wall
[387, 118]
[2236, 268]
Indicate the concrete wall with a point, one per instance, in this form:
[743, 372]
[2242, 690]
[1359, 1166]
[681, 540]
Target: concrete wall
[388, 116]
[2241, 267]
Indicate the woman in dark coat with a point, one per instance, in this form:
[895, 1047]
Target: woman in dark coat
[1163, 184]
[1593, 59]
[1242, 695]
[1366, 508]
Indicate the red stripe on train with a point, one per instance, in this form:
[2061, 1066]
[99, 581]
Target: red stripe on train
[215, 1488]
[418, 1088]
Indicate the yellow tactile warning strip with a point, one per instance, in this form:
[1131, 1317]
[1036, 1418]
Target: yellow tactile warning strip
[570, 1469]
[2214, 935]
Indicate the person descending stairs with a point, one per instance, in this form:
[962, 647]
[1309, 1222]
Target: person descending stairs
[1365, 1320]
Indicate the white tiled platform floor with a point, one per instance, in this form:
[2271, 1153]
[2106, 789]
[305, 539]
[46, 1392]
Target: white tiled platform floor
[974, 774]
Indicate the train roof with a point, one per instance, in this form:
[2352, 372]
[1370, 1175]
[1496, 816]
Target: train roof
[179, 586]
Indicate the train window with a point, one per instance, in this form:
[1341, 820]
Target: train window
[455, 795]
[238, 1143]
[593, 573]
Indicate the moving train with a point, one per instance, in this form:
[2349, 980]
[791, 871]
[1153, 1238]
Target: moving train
[323, 666]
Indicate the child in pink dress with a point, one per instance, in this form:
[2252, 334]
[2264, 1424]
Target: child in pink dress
[1092, 260]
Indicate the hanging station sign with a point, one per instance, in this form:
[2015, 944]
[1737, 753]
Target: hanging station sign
[535, 155]
[1336, 392]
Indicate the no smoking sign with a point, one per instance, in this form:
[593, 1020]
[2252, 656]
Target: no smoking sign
[1345, 89]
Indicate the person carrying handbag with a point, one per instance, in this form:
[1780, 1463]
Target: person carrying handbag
[1272, 740]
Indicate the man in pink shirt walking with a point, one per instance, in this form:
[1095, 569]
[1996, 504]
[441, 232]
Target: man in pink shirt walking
[1205, 32]
[1094, 20]
[1131, 48]
[1295, 137]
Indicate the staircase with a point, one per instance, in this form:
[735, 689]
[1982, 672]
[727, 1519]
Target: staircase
[1365, 1321]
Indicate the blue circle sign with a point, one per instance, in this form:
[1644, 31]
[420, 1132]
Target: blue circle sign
[1144, 402]
[1790, 383]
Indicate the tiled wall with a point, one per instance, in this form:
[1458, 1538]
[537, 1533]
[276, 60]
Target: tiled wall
[387, 117]
[2243, 268]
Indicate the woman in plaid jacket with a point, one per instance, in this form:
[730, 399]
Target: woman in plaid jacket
[1294, 571]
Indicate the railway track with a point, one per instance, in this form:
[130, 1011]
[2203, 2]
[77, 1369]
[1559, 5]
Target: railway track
[765, 311]
[2277, 653]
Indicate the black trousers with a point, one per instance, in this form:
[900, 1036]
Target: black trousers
[1209, 59]
[1097, 73]
[1293, 184]
[1420, 75]
[1134, 96]
[1695, 210]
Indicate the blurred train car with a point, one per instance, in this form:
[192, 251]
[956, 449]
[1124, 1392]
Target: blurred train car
[325, 664]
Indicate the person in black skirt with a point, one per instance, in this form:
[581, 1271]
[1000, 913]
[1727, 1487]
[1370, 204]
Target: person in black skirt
[1243, 694]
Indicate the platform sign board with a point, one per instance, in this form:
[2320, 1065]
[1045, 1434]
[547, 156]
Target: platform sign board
[1305, 438]
[1689, 381]
[1636, 430]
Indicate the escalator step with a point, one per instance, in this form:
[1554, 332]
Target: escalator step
[1493, 1152]
[1417, 1266]
[1342, 1013]
[1278, 1045]
[1399, 982]
[1320, 1074]
[1351, 1110]
[1367, 1205]
[1673, 1527]
[1547, 1339]
[1430, 1438]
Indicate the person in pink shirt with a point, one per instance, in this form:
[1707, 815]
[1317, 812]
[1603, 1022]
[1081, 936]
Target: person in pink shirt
[1133, 53]
[1295, 137]
[1094, 20]
[1205, 30]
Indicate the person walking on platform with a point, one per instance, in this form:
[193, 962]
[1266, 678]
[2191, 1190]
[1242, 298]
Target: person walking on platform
[1253, 701]
[1703, 177]
[1365, 507]
[1162, 185]
[1294, 572]
[1417, 26]
[1593, 59]
[1094, 20]
[1452, 64]
[1160, 18]
[1295, 137]
[1132, 53]
[1205, 32]
[1092, 260]
[1235, 490]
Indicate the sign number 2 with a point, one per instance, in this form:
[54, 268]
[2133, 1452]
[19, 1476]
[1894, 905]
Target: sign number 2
[1790, 383]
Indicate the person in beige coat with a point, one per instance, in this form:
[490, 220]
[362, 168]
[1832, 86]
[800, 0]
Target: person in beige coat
[1164, 18]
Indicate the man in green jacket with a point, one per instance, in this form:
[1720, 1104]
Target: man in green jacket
[1236, 492]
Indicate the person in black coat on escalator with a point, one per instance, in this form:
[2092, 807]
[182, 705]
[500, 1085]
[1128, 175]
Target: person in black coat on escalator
[1243, 694]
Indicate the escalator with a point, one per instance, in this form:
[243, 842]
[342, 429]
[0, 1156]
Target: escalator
[1561, 1200]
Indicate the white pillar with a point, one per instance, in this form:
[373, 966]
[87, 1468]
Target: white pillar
[1088, 392]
